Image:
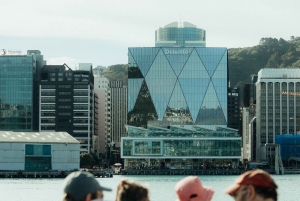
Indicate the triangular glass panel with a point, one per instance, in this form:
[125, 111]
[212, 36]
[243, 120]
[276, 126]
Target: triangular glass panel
[177, 57]
[133, 69]
[194, 68]
[220, 83]
[177, 111]
[143, 57]
[221, 70]
[194, 90]
[161, 80]
[211, 112]
[134, 86]
[143, 110]
[211, 57]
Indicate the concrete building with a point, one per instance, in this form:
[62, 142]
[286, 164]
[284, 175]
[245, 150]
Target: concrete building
[277, 107]
[234, 118]
[67, 103]
[18, 89]
[101, 89]
[180, 35]
[117, 117]
[38, 151]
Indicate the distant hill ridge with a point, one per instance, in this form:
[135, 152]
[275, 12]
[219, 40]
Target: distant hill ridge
[270, 53]
[243, 62]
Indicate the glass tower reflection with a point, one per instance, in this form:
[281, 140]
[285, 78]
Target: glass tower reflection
[178, 85]
[16, 86]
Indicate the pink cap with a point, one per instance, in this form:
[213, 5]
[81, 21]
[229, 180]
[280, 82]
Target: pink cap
[191, 189]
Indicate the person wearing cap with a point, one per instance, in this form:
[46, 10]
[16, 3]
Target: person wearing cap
[254, 185]
[131, 191]
[82, 186]
[191, 189]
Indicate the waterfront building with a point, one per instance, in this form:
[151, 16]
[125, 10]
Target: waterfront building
[181, 147]
[18, 90]
[101, 89]
[177, 35]
[67, 103]
[277, 107]
[38, 151]
[234, 119]
[117, 118]
[177, 109]
[289, 146]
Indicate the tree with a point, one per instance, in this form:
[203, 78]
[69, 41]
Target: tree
[86, 160]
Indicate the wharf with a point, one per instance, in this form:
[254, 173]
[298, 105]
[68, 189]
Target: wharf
[186, 172]
[49, 174]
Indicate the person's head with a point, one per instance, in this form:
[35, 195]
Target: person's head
[131, 191]
[253, 185]
[191, 189]
[82, 186]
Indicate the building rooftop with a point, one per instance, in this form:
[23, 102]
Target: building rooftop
[279, 73]
[38, 137]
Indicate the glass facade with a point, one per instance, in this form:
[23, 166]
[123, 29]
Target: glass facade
[174, 36]
[289, 146]
[178, 85]
[181, 142]
[37, 157]
[16, 92]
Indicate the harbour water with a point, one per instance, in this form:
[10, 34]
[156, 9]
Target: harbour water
[161, 187]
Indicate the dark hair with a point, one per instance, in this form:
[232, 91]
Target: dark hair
[69, 197]
[131, 191]
[266, 192]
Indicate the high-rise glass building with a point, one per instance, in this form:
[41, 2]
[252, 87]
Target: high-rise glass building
[179, 85]
[176, 35]
[18, 90]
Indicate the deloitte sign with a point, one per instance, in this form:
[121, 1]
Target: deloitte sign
[176, 51]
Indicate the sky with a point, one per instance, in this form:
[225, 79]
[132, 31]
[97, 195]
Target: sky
[100, 31]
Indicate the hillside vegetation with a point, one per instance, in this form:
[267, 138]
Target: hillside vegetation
[243, 62]
[270, 53]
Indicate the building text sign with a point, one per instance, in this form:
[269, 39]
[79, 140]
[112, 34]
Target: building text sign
[10, 52]
[173, 51]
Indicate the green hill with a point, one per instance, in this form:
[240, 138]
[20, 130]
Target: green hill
[243, 62]
[270, 53]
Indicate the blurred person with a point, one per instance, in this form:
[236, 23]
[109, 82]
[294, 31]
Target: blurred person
[82, 186]
[254, 185]
[131, 191]
[191, 189]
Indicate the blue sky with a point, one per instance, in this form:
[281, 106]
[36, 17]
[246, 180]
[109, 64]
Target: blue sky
[99, 32]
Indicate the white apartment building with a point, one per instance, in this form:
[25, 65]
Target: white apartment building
[277, 106]
[101, 88]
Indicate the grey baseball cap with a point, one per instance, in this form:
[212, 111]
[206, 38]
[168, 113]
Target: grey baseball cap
[79, 184]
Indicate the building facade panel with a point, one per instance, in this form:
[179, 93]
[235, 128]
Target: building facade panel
[198, 92]
[277, 105]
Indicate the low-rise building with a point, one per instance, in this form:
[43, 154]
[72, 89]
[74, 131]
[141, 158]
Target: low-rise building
[38, 151]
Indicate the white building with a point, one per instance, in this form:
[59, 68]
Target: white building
[277, 106]
[101, 88]
[38, 151]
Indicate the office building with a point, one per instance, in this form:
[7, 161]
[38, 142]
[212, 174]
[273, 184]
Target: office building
[180, 35]
[67, 103]
[277, 106]
[117, 118]
[101, 89]
[177, 108]
[234, 119]
[18, 90]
